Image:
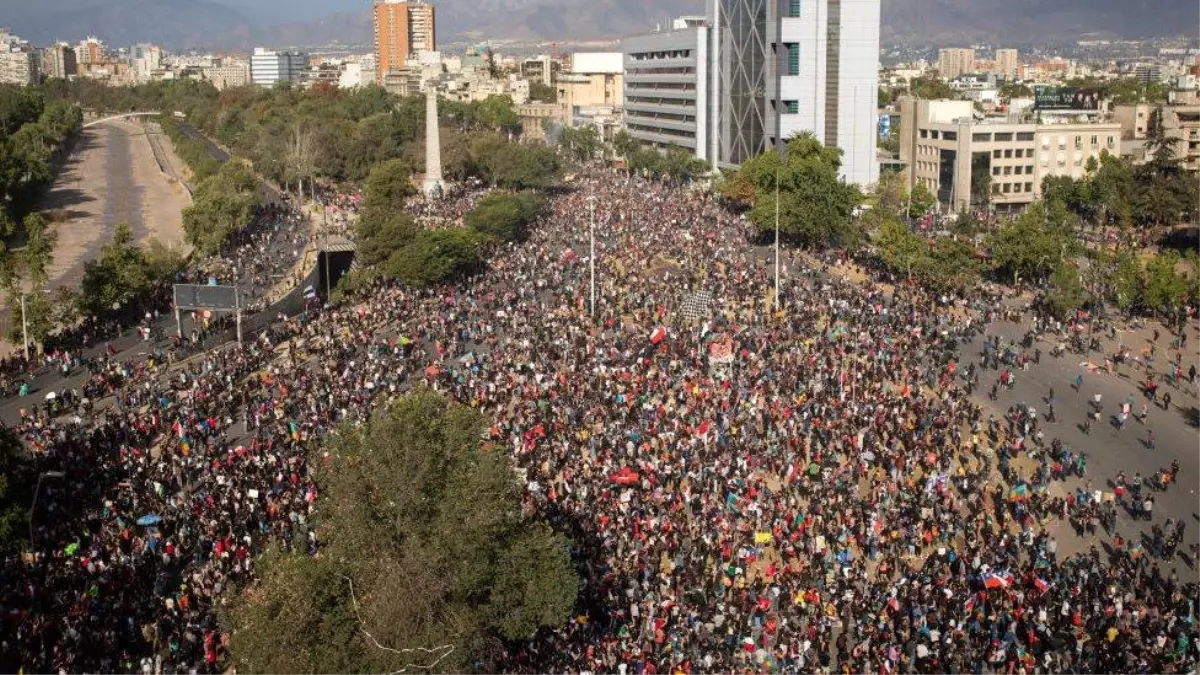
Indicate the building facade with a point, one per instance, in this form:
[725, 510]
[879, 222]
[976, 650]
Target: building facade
[225, 73]
[91, 51]
[18, 67]
[667, 88]
[402, 29]
[58, 61]
[1006, 62]
[787, 66]
[955, 61]
[969, 163]
[269, 67]
[593, 86]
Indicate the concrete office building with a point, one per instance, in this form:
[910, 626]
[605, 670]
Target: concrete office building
[954, 62]
[667, 87]
[968, 163]
[1006, 63]
[58, 61]
[269, 67]
[402, 30]
[783, 67]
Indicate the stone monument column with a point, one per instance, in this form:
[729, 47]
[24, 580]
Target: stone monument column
[433, 147]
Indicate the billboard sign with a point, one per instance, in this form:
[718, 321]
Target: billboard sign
[195, 296]
[1065, 98]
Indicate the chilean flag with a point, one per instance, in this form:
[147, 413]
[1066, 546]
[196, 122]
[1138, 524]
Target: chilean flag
[658, 335]
[1041, 584]
[997, 580]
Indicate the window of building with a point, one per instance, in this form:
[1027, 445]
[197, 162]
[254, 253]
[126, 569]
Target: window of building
[1028, 169]
[1004, 137]
[981, 138]
[1024, 135]
[1008, 154]
[793, 8]
[1016, 187]
[1007, 188]
[1095, 141]
[924, 133]
[995, 188]
[995, 154]
[1018, 153]
[933, 133]
[1110, 142]
[950, 136]
[793, 58]
[1008, 171]
[995, 171]
[1017, 170]
[1079, 142]
[791, 107]
[1029, 187]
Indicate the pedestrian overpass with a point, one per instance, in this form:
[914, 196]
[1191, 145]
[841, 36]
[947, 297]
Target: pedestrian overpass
[102, 120]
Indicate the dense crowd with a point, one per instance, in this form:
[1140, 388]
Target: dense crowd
[747, 490]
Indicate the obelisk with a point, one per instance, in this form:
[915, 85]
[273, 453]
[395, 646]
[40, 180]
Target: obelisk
[433, 146]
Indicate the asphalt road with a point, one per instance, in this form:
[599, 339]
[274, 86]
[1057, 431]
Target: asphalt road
[1109, 451]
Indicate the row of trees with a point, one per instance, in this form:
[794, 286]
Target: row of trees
[426, 560]
[192, 150]
[393, 243]
[34, 134]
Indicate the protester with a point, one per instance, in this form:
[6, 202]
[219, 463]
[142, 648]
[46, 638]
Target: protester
[804, 491]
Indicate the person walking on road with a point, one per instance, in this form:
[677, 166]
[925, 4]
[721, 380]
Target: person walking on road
[1150, 439]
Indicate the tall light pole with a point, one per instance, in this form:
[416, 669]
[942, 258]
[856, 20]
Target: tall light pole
[38, 488]
[777, 166]
[592, 250]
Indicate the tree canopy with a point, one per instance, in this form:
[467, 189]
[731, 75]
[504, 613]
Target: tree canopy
[222, 204]
[426, 557]
[815, 204]
[504, 217]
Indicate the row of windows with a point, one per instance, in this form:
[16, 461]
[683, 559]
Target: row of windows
[1010, 153]
[671, 54]
[981, 137]
[793, 9]
[1010, 170]
[644, 87]
[660, 71]
[666, 117]
[1109, 142]
[659, 130]
[651, 100]
[1006, 188]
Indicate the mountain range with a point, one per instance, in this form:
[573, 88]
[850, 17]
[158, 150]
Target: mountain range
[239, 24]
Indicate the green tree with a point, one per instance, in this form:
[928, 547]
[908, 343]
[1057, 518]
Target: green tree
[222, 204]
[388, 185]
[436, 256]
[1166, 288]
[583, 142]
[39, 249]
[382, 233]
[504, 217]
[514, 166]
[17, 481]
[950, 265]
[930, 88]
[1013, 90]
[427, 557]
[543, 93]
[1127, 281]
[899, 247]
[815, 206]
[116, 276]
[920, 201]
[1066, 291]
[1033, 244]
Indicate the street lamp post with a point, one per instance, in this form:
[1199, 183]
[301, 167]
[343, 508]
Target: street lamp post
[37, 489]
[777, 166]
[592, 251]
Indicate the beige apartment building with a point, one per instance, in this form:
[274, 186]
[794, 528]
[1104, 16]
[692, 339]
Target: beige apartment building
[1181, 123]
[954, 62]
[1005, 63]
[18, 67]
[970, 163]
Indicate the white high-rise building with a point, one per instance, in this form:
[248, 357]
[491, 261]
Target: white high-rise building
[268, 67]
[786, 66]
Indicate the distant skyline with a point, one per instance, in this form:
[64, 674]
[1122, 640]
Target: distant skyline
[241, 24]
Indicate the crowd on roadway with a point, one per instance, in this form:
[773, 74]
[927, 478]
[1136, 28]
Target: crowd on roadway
[808, 490]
